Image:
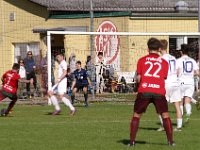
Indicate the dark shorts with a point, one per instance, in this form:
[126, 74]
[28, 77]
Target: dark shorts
[144, 99]
[80, 86]
[4, 94]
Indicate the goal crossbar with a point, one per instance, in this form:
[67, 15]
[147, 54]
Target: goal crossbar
[126, 33]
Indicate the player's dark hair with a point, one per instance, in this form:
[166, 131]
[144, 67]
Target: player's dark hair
[88, 59]
[153, 44]
[100, 54]
[164, 44]
[185, 49]
[78, 62]
[15, 66]
[20, 61]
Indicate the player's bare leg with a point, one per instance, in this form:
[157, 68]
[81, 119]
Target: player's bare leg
[188, 107]
[85, 96]
[178, 116]
[67, 103]
[181, 106]
[54, 101]
[73, 95]
[10, 106]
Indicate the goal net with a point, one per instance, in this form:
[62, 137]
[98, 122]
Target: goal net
[121, 50]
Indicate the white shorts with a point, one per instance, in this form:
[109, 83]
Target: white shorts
[61, 88]
[187, 90]
[173, 94]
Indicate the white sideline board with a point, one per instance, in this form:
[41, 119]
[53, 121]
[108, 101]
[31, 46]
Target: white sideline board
[129, 76]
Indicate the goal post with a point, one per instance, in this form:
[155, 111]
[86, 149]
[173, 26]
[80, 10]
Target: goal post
[125, 36]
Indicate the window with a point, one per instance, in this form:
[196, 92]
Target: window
[21, 50]
[176, 41]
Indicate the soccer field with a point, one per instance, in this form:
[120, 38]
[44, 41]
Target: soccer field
[102, 126]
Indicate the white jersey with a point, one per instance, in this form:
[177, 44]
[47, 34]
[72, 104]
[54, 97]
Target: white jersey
[22, 72]
[62, 86]
[186, 66]
[62, 65]
[172, 79]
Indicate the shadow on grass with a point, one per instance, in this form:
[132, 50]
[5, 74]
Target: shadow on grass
[174, 124]
[8, 116]
[148, 128]
[126, 142]
[51, 114]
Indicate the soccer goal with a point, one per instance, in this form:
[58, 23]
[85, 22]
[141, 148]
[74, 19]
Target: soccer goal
[121, 50]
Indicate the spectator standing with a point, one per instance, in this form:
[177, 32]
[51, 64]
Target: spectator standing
[22, 73]
[100, 68]
[91, 74]
[72, 62]
[43, 66]
[22, 70]
[30, 72]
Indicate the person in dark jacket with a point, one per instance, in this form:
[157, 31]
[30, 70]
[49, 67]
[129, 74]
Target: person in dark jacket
[30, 71]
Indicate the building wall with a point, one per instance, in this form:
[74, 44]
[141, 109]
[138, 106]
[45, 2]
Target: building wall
[137, 44]
[29, 16]
[19, 30]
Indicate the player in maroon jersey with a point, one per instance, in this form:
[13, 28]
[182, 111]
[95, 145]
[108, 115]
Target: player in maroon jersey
[9, 88]
[152, 71]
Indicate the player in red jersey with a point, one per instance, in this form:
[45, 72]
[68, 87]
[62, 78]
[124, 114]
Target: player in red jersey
[9, 88]
[152, 71]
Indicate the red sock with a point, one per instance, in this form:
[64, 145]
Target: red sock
[133, 128]
[11, 105]
[168, 129]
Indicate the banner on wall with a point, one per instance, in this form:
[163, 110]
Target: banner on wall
[108, 44]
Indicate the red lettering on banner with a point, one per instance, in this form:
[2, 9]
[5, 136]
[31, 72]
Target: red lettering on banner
[108, 44]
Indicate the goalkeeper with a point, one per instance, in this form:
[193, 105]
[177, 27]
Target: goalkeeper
[80, 82]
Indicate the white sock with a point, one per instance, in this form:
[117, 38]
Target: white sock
[181, 107]
[55, 103]
[188, 109]
[68, 103]
[161, 120]
[193, 101]
[179, 122]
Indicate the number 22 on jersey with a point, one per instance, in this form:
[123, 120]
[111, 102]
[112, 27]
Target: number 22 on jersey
[151, 67]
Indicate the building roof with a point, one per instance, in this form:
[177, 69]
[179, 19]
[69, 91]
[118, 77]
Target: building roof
[44, 30]
[117, 5]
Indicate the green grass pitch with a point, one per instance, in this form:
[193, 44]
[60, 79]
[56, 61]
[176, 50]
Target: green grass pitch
[102, 126]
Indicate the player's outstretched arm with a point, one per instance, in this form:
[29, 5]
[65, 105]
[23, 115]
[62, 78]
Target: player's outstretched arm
[26, 81]
[73, 84]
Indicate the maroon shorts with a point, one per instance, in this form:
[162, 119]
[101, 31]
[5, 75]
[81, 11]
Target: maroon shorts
[4, 94]
[144, 99]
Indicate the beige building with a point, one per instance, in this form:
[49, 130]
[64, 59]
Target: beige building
[24, 26]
